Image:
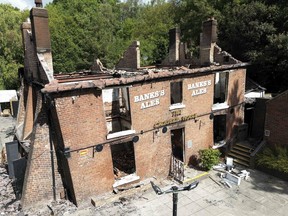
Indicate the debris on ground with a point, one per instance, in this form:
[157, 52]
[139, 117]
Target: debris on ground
[59, 207]
[9, 205]
[229, 175]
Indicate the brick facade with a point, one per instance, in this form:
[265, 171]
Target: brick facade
[276, 122]
[81, 124]
[75, 115]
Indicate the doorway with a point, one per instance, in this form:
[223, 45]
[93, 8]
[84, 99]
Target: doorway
[219, 125]
[177, 141]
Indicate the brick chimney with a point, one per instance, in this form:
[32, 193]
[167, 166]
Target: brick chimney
[40, 29]
[131, 58]
[42, 43]
[174, 45]
[38, 3]
[26, 26]
[208, 39]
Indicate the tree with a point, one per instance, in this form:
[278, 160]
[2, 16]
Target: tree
[11, 51]
[255, 32]
[189, 15]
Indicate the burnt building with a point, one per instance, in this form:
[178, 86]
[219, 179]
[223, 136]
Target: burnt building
[86, 133]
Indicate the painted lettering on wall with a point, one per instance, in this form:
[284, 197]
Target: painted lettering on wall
[146, 101]
[199, 88]
[175, 120]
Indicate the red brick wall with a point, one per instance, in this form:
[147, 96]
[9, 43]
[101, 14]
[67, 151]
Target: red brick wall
[277, 120]
[153, 150]
[37, 187]
[82, 123]
[29, 113]
[236, 90]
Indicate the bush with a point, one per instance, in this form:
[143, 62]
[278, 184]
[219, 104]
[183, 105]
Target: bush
[209, 158]
[274, 157]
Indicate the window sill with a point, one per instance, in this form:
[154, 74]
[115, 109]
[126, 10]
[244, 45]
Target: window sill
[120, 133]
[219, 106]
[126, 180]
[176, 106]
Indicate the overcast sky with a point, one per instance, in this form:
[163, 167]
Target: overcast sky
[28, 4]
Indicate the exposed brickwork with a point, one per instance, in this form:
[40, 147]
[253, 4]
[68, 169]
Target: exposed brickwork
[21, 109]
[131, 57]
[37, 186]
[78, 116]
[276, 121]
[208, 40]
[236, 89]
[29, 114]
[30, 61]
[82, 123]
[40, 28]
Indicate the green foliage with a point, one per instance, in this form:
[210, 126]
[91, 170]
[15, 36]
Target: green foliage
[190, 15]
[11, 51]
[274, 157]
[209, 158]
[254, 31]
[84, 30]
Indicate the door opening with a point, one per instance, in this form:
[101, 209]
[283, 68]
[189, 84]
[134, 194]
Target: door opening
[219, 125]
[177, 141]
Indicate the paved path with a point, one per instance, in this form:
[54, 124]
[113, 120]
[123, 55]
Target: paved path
[261, 195]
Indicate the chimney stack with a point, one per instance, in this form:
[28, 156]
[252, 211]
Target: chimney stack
[40, 29]
[174, 45]
[208, 39]
[38, 3]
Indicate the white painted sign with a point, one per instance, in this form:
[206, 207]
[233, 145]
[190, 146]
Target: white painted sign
[199, 88]
[146, 99]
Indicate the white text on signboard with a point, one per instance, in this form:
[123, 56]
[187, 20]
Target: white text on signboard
[199, 88]
[146, 99]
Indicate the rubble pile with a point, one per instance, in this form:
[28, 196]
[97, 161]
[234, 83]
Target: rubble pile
[8, 203]
[59, 207]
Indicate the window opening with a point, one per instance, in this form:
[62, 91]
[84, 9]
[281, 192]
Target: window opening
[220, 87]
[177, 141]
[176, 92]
[123, 159]
[219, 125]
[117, 109]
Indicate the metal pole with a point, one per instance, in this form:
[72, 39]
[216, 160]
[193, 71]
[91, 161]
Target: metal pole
[51, 150]
[175, 200]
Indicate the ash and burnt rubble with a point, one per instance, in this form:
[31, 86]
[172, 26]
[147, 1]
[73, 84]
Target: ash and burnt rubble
[9, 205]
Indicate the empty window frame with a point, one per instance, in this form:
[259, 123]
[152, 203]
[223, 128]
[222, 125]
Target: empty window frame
[117, 109]
[220, 87]
[176, 92]
[123, 159]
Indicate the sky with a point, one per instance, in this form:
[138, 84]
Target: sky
[28, 4]
[23, 4]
